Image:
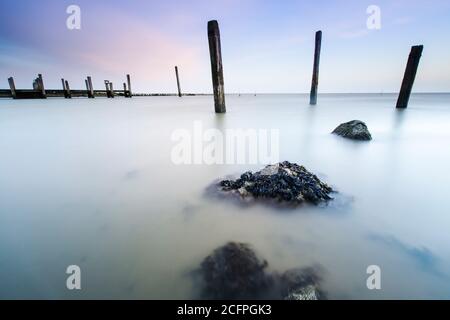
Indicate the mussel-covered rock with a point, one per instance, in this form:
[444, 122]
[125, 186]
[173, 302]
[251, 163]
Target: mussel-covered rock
[355, 129]
[307, 293]
[301, 284]
[234, 271]
[284, 182]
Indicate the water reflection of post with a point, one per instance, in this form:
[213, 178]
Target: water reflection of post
[220, 124]
[307, 127]
[394, 149]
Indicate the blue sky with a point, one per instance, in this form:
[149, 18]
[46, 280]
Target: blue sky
[267, 45]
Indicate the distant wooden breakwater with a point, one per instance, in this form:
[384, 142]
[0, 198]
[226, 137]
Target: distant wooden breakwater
[40, 92]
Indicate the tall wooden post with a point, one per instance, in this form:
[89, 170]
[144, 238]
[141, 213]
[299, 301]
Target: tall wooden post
[215, 53]
[87, 88]
[409, 76]
[69, 94]
[315, 76]
[125, 94]
[129, 85]
[12, 86]
[178, 81]
[41, 86]
[91, 87]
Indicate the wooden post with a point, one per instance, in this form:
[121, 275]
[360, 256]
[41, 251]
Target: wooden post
[108, 95]
[216, 66]
[178, 81]
[87, 88]
[12, 86]
[409, 76]
[69, 94]
[111, 89]
[41, 86]
[91, 87]
[125, 90]
[64, 88]
[129, 86]
[315, 77]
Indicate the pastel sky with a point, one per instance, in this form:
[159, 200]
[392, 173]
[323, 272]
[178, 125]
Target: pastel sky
[267, 46]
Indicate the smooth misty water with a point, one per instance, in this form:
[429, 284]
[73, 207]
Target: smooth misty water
[91, 182]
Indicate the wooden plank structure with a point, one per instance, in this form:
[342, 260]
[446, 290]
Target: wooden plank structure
[39, 92]
[215, 53]
[315, 76]
[178, 81]
[409, 76]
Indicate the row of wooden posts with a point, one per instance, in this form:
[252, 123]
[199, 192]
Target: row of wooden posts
[39, 92]
[215, 52]
[217, 70]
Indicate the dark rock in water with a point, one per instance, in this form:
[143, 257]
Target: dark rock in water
[355, 129]
[301, 284]
[307, 293]
[285, 182]
[234, 271]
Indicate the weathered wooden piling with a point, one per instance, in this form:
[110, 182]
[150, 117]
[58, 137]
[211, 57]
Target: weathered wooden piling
[111, 90]
[315, 76]
[125, 94]
[91, 87]
[178, 81]
[215, 53]
[36, 85]
[41, 86]
[409, 76]
[69, 93]
[38, 90]
[12, 87]
[87, 87]
[107, 88]
[129, 86]
[64, 88]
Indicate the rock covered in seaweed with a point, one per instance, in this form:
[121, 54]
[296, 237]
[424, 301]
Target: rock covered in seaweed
[234, 271]
[355, 129]
[285, 182]
[308, 293]
[301, 284]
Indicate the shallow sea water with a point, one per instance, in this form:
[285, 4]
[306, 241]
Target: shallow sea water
[91, 182]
